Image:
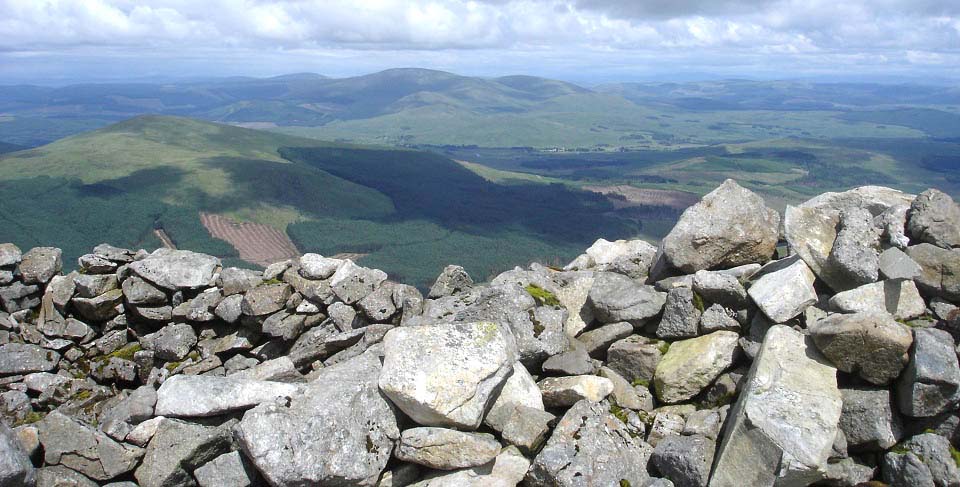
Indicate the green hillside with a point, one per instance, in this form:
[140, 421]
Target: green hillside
[409, 212]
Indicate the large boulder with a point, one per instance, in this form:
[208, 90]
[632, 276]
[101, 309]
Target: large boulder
[15, 466]
[691, 365]
[615, 298]
[899, 298]
[931, 382]
[782, 428]
[206, 395]
[453, 280]
[340, 431]
[447, 374]
[177, 449]
[784, 290]
[177, 269]
[855, 255]
[40, 264]
[730, 226]
[940, 270]
[590, 446]
[631, 258]
[934, 218]
[811, 228]
[71, 444]
[871, 344]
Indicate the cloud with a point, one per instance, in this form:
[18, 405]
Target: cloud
[690, 32]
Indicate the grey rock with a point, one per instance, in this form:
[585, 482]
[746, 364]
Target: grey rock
[158, 314]
[560, 392]
[265, 299]
[345, 317]
[227, 470]
[277, 269]
[280, 369]
[94, 264]
[519, 390]
[378, 306]
[20, 358]
[19, 296]
[201, 308]
[446, 449]
[636, 357]
[114, 254]
[871, 345]
[940, 274]
[177, 269]
[782, 429]
[691, 365]
[703, 422]
[70, 329]
[15, 466]
[173, 342]
[615, 298]
[71, 444]
[452, 280]
[40, 264]
[527, 428]
[134, 409]
[931, 382]
[811, 228]
[906, 470]
[238, 281]
[590, 446]
[934, 218]
[10, 255]
[141, 293]
[729, 227]
[869, 420]
[320, 342]
[177, 449]
[624, 394]
[93, 285]
[720, 287]
[893, 222]
[934, 451]
[855, 256]
[680, 316]
[847, 472]
[717, 318]
[230, 309]
[632, 258]
[202, 395]
[786, 291]
[599, 340]
[508, 469]
[351, 283]
[446, 375]
[99, 308]
[283, 325]
[895, 264]
[304, 442]
[685, 460]
[575, 361]
[61, 289]
[57, 476]
[899, 298]
[315, 266]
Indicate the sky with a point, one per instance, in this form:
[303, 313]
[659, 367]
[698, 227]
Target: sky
[584, 41]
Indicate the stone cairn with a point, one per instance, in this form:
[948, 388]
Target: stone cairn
[819, 348]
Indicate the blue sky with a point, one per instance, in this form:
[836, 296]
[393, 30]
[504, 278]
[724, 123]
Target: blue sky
[586, 41]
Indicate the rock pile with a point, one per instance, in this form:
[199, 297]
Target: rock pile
[820, 348]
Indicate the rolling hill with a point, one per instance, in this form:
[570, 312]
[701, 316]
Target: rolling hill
[151, 178]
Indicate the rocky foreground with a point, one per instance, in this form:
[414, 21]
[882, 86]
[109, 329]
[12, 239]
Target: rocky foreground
[719, 359]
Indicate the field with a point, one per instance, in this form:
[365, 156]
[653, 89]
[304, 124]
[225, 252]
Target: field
[256, 243]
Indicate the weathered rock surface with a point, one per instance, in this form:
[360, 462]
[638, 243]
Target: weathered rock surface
[15, 466]
[566, 391]
[177, 449]
[934, 218]
[782, 428]
[177, 269]
[685, 460]
[869, 420]
[40, 264]
[22, 358]
[691, 365]
[899, 298]
[454, 279]
[940, 270]
[446, 375]
[446, 449]
[67, 442]
[785, 292]
[730, 226]
[870, 344]
[615, 298]
[199, 395]
[931, 382]
[340, 431]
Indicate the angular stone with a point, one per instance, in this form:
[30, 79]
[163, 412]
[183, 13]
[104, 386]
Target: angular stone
[227, 470]
[71, 444]
[204, 395]
[636, 357]
[134, 409]
[177, 449]
[378, 306]
[15, 466]
[685, 460]
[785, 292]
[940, 270]
[895, 264]
[572, 362]
[230, 309]
[782, 429]
[906, 470]
[234, 280]
[632, 258]
[599, 340]
[93, 285]
[508, 469]
[351, 283]
[934, 218]
[527, 428]
[934, 455]
[446, 375]
[10, 255]
[452, 280]
[680, 316]
[590, 446]
[177, 269]
[519, 390]
[855, 255]
[931, 382]
[173, 342]
[717, 318]
[615, 298]
[691, 365]
[720, 287]
[872, 344]
[99, 308]
[265, 299]
[446, 449]
[730, 226]
[811, 228]
[280, 369]
[283, 325]
[61, 289]
[141, 293]
[40, 264]
[21, 358]
[315, 266]
[869, 419]
[561, 392]
[899, 298]
[624, 394]
[340, 431]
